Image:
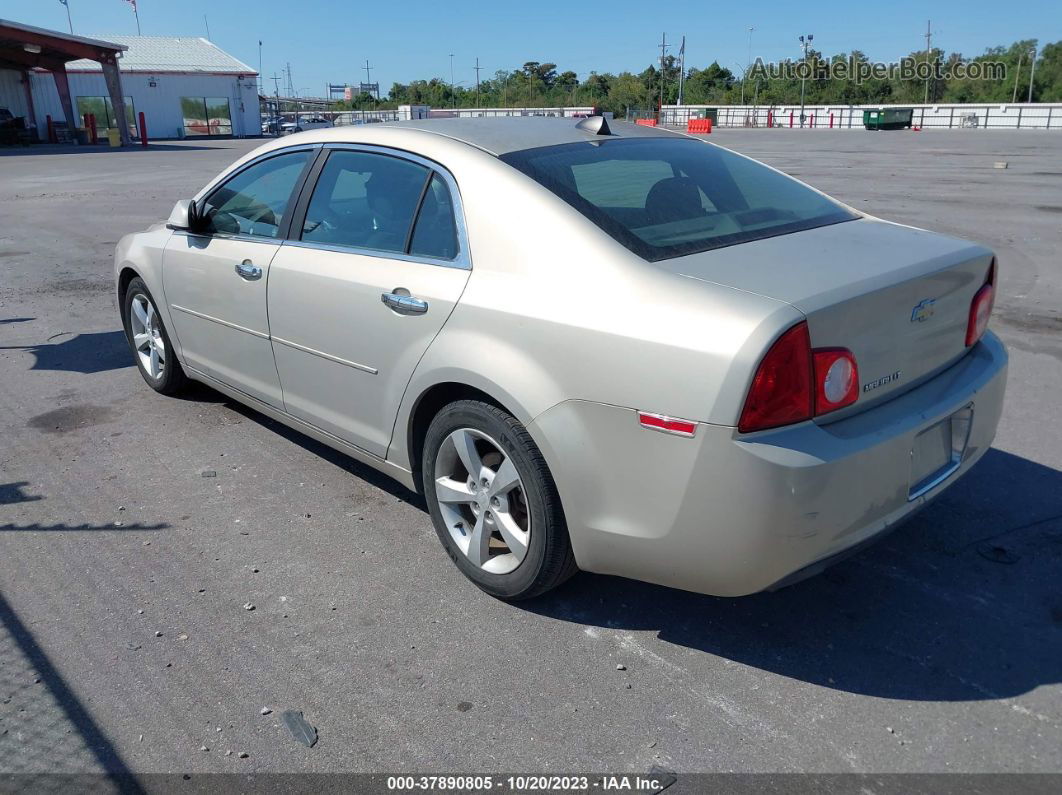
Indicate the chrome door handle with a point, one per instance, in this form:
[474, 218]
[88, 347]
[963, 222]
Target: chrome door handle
[248, 270]
[405, 304]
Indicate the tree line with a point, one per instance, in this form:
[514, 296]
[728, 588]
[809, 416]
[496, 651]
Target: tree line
[541, 84]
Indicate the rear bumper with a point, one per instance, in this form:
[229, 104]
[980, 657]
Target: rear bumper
[728, 514]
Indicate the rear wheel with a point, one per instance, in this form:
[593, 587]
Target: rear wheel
[149, 340]
[494, 503]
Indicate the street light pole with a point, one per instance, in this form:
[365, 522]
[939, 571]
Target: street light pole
[1017, 77]
[1032, 72]
[929, 49]
[663, 50]
[682, 70]
[805, 42]
[453, 98]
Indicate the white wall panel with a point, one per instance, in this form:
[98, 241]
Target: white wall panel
[12, 92]
[161, 103]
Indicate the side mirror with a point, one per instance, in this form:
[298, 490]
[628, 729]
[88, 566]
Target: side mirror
[183, 217]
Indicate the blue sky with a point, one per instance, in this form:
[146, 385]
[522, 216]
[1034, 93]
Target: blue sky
[329, 40]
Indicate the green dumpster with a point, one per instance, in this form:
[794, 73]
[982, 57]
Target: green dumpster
[888, 118]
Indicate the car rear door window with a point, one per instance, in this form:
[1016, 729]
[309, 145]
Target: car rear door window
[435, 234]
[255, 202]
[365, 200]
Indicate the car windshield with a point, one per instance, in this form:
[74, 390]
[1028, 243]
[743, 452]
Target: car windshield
[663, 197]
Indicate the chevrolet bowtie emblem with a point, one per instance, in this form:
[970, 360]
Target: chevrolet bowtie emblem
[923, 310]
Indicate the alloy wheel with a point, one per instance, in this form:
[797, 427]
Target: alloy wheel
[147, 336]
[482, 501]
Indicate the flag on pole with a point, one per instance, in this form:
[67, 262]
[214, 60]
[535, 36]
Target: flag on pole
[135, 14]
[682, 49]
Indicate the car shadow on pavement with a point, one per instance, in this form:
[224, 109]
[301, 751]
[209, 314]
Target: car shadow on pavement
[95, 352]
[335, 457]
[47, 720]
[961, 603]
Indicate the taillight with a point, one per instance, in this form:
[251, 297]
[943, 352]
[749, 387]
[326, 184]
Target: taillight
[981, 307]
[794, 383]
[836, 379]
[781, 389]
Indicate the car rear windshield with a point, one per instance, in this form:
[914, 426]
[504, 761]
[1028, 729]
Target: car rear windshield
[664, 198]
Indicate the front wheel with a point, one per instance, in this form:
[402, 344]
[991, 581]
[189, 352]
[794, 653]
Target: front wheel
[494, 503]
[150, 341]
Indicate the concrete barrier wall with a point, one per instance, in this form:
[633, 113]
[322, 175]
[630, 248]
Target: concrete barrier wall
[1021, 115]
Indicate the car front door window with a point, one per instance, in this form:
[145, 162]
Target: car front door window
[255, 202]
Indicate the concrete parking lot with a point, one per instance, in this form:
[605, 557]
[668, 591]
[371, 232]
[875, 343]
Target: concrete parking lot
[134, 529]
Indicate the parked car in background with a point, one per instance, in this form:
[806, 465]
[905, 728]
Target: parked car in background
[304, 123]
[622, 350]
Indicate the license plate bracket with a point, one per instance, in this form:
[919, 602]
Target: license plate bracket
[938, 451]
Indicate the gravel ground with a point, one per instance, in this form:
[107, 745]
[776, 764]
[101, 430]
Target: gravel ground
[126, 568]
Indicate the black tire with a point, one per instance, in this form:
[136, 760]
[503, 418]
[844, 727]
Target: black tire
[549, 560]
[172, 379]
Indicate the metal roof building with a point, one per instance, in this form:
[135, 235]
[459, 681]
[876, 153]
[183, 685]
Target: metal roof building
[184, 86]
[170, 55]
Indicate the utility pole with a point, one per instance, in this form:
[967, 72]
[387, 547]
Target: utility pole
[477, 67]
[663, 49]
[748, 66]
[368, 79]
[276, 113]
[682, 68]
[261, 90]
[1032, 72]
[805, 42]
[929, 40]
[1017, 76]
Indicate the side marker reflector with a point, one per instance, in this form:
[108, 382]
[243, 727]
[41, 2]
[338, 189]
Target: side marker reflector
[658, 422]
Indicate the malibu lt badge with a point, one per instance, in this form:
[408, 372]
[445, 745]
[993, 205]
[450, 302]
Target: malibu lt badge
[886, 379]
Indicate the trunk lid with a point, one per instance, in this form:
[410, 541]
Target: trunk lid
[897, 297]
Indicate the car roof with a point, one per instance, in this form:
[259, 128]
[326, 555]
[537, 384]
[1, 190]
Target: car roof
[501, 135]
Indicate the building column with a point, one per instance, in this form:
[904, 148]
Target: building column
[114, 87]
[62, 85]
[31, 113]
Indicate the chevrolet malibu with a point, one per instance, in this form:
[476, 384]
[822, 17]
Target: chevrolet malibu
[620, 350]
